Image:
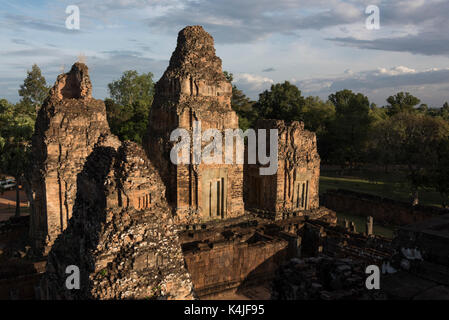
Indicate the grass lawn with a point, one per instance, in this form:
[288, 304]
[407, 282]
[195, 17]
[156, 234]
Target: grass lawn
[392, 186]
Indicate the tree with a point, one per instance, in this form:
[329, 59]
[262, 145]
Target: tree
[242, 105]
[439, 176]
[402, 102]
[33, 91]
[283, 101]
[378, 152]
[16, 129]
[318, 117]
[444, 111]
[415, 139]
[132, 88]
[423, 108]
[129, 106]
[350, 130]
[317, 114]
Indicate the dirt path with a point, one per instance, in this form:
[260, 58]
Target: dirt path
[8, 204]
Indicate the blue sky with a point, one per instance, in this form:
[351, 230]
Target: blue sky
[321, 46]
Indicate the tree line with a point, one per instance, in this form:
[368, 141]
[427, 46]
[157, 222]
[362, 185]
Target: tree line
[351, 131]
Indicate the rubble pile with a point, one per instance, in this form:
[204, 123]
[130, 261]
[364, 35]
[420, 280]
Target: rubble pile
[322, 278]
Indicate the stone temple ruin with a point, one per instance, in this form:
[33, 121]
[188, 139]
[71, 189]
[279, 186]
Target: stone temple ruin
[101, 204]
[194, 88]
[139, 227]
[67, 128]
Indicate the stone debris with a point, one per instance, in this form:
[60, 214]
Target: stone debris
[323, 278]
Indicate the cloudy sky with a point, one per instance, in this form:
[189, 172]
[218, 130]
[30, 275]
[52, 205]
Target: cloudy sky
[321, 46]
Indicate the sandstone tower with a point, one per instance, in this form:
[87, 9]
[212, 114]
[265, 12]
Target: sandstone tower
[294, 189]
[194, 88]
[67, 127]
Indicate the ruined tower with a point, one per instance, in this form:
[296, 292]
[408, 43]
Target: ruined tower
[294, 189]
[194, 90]
[121, 235]
[67, 127]
[100, 204]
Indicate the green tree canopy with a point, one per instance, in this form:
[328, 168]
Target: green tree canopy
[350, 130]
[444, 111]
[33, 91]
[16, 129]
[242, 105]
[439, 175]
[402, 102]
[283, 101]
[414, 140]
[129, 105]
[132, 88]
[317, 114]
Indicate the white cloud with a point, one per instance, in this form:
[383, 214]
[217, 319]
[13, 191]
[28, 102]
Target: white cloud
[252, 83]
[395, 70]
[378, 84]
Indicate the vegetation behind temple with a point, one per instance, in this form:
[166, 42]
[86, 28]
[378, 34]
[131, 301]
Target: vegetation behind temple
[352, 132]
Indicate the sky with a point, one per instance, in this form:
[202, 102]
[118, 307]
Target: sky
[320, 46]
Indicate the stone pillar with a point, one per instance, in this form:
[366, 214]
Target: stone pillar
[369, 225]
[352, 227]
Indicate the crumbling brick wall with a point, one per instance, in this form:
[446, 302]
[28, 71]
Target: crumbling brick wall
[224, 265]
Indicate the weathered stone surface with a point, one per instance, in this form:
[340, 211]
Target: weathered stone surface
[67, 127]
[430, 238]
[102, 203]
[295, 186]
[121, 235]
[323, 278]
[194, 88]
[233, 257]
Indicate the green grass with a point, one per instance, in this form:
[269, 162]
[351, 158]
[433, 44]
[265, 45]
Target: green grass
[392, 186]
